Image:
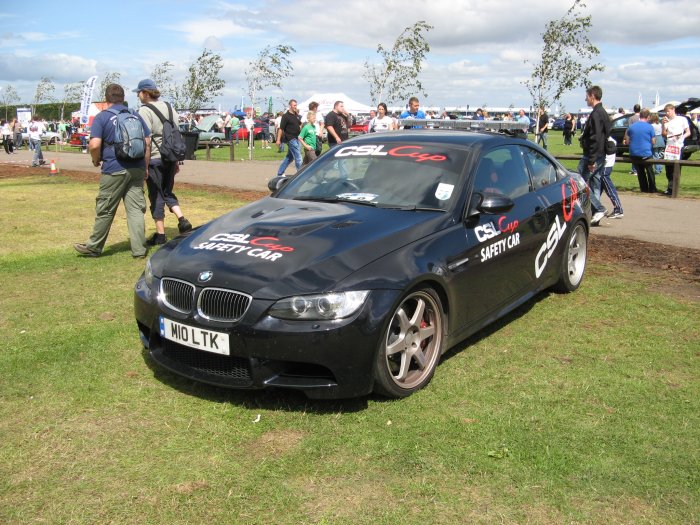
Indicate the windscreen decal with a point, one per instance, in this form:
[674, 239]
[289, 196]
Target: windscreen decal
[444, 191]
[415, 153]
[265, 248]
[364, 197]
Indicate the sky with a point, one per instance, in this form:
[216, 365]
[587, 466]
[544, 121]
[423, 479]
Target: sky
[480, 51]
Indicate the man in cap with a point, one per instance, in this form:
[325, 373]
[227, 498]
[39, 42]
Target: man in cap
[161, 173]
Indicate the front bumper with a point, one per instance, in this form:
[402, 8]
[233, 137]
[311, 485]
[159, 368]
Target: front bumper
[324, 359]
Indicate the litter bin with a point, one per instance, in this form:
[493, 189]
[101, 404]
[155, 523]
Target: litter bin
[191, 139]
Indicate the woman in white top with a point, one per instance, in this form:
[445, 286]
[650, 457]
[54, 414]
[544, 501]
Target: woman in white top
[7, 137]
[382, 122]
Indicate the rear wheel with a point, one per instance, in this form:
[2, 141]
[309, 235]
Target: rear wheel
[411, 346]
[573, 261]
[216, 142]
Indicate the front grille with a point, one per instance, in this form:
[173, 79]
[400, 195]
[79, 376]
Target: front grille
[218, 304]
[235, 370]
[176, 294]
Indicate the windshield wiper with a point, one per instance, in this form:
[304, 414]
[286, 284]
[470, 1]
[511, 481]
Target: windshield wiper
[412, 207]
[333, 199]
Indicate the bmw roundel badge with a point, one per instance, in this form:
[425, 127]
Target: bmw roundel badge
[205, 276]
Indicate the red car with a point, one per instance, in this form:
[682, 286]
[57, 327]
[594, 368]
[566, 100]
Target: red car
[79, 139]
[242, 132]
[360, 127]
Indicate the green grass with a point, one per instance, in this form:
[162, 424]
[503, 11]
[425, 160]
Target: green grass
[579, 408]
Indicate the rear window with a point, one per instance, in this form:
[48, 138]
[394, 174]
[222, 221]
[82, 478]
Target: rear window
[401, 175]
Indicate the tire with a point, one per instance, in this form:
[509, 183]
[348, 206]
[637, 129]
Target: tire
[53, 140]
[216, 142]
[573, 259]
[411, 345]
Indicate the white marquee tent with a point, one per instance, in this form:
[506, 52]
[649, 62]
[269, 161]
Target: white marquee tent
[326, 101]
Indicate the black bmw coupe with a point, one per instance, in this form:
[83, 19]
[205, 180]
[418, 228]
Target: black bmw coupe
[359, 272]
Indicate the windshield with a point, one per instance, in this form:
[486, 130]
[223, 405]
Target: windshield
[407, 176]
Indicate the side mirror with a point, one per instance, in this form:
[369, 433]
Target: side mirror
[489, 203]
[276, 183]
[494, 204]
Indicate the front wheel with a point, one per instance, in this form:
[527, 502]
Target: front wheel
[216, 142]
[411, 346]
[573, 261]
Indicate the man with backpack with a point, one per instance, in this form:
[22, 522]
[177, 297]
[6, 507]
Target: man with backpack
[167, 150]
[119, 143]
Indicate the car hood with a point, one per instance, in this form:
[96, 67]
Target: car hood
[276, 248]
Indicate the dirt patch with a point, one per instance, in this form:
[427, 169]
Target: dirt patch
[678, 269]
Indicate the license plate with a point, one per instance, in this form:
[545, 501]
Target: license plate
[194, 337]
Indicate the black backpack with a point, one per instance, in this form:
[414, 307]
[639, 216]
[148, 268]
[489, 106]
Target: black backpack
[173, 147]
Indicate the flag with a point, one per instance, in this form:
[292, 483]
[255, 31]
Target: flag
[87, 99]
[639, 100]
[657, 100]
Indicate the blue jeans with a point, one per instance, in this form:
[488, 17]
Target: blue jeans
[593, 179]
[610, 190]
[38, 156]
[542, 139]
[293, 153]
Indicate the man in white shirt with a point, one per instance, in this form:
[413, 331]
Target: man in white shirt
[675, 129]
[36, 129]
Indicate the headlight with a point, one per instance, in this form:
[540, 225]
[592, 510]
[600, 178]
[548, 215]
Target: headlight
[335, 305]
[148, 274]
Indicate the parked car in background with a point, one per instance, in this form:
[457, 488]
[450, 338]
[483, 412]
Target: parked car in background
[360, 272]
[360, 127]
[48, 137]
[242, 132]
[558, 124]
[205, 128]
[79, 138]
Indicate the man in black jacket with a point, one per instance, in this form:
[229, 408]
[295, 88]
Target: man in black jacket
[593, 138]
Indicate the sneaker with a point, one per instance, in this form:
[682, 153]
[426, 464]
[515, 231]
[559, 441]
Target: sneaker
[42, 162]
[616, 215]
[668, 192]
[82, 249]
[183, 225]
[157, 239]
[597, 217]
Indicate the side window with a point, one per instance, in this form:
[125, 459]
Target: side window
[620, 122]
[542, 170]
[501, 172]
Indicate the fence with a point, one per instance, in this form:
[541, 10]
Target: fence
[677, 164]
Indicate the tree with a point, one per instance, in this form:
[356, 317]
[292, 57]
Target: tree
[109, 78]
[44, 92]
[269, 69]
[72, 92]
[9, 96]
[163, 79]
[566, 61]
[396, 77]
[202, 83]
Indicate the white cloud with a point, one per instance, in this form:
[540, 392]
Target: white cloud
[198, 31]
[59, 67]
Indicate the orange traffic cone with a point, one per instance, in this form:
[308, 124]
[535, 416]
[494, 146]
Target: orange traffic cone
[54, 169]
